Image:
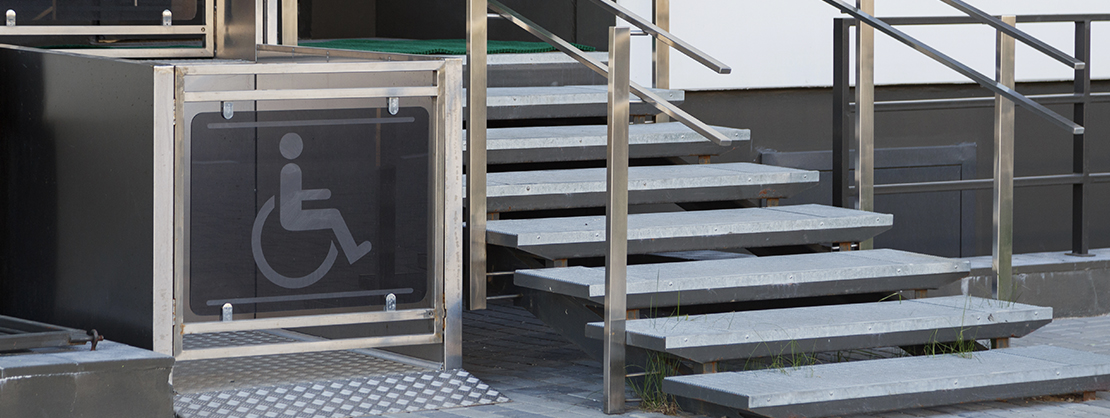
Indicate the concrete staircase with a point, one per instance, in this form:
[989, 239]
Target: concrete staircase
[722, 277]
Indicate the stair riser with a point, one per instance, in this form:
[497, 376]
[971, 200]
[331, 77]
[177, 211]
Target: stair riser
[595, 247]
[896, 402]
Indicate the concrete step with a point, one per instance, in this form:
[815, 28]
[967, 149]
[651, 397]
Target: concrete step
[739, 335]
[562, 102]
[584, 236]
[897, 383]
[754, 278]
[577, 188]
[587, 142]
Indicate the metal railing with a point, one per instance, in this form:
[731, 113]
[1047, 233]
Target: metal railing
[15, 26]
[619, 89]
[1005, 98]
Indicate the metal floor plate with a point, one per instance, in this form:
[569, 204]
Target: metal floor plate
[329, 384]
[365, 396]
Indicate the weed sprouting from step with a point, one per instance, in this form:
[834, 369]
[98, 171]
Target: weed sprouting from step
[650, 390]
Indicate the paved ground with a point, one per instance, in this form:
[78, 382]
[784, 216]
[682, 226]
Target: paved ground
[546, 376]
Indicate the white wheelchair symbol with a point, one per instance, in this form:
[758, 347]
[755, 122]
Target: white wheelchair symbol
[295, 218]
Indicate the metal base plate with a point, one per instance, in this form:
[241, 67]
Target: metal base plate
[364, 396]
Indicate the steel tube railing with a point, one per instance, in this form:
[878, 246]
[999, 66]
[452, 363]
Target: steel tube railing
[616, 221]
[1016, 33]
[660, 52]
[476, 36]
[1080, 204]
[865, 115]
[1080, 99]
[1002, 237]
[959, 67]
[645, 94]
[664, 36]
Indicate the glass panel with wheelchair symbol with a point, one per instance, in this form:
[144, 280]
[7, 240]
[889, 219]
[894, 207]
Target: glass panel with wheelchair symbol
[309, 211]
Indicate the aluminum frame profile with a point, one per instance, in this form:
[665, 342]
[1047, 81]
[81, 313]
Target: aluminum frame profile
[445, 223]
[208, 30]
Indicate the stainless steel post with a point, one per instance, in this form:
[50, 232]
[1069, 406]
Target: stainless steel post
[476, 12]
[865, 113]
[616, 220]
[271, 13]
[841, 123]
[1002, 245]
[660, 52]
[289, 22]
[1080, 162]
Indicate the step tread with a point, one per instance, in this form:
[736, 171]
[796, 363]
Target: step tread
[898, 383]
[755, 278]
[588, 142]
[736, 335]
[562, 95]
[585, 187]
[584, 236]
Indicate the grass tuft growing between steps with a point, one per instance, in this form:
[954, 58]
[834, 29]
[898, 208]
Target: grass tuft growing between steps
[650, 387]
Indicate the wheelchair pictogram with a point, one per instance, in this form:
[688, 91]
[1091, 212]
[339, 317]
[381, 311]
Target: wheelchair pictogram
[294, 217]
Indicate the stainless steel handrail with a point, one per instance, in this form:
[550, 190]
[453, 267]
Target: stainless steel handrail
[1016, 33]
[663, 35]
[645, 94]
[959, 67]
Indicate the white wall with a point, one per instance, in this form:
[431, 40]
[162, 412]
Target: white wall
[788, 43]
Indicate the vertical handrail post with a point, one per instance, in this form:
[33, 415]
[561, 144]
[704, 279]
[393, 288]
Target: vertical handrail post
[1080, 161]
[477, 13]
[289, 22]
[865, 113]
[1003, 236]
[616, 221]
[841, 124]
[660, 52]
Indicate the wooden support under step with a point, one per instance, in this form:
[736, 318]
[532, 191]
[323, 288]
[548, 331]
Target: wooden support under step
[997, 343]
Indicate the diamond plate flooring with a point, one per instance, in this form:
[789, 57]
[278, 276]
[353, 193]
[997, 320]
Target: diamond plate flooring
[367, 396]
[329, 384]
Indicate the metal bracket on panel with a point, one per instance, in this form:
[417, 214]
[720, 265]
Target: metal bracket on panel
[167, 18]
[391, 302]
[228, 109]
[10, 17]
[394, 105]
[227, 312]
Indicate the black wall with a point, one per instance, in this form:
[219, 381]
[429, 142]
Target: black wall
[577, 21]
[77, 175]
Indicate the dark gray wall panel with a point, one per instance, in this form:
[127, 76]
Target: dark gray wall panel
[787, 120]
[77, 150]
